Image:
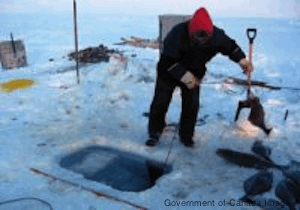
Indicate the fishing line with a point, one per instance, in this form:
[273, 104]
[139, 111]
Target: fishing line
[199, 122]
[169, 152]
[27, 198]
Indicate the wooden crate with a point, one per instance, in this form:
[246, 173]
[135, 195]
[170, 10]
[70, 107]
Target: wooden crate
[11, 58]
[166, 23]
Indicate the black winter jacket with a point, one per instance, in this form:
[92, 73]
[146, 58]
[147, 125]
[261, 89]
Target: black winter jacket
[177, 47]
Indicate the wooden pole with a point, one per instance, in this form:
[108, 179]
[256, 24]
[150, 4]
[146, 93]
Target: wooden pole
[76, 42]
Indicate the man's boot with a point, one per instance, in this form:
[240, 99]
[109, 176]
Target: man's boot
[188, 142]
[152, 140]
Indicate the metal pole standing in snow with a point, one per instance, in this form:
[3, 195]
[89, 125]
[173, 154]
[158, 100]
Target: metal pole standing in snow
[76, 41]
[13, 43]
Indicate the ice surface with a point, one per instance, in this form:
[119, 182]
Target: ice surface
[56, 116]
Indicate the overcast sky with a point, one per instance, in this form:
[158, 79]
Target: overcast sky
[222, 8]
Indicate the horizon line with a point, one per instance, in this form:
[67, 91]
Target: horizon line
[138, 14]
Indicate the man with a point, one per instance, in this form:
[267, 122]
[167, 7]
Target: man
[186, 50]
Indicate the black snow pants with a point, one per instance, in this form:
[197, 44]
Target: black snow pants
[190, 106]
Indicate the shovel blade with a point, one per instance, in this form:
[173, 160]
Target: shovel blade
[242, 104]
[257, 115]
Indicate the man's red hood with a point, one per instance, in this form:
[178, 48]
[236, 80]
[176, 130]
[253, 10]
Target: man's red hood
[201, 21]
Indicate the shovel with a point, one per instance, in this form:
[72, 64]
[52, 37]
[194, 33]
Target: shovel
[257, 114]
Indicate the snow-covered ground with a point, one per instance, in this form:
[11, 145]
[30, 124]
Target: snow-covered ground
[56, 116]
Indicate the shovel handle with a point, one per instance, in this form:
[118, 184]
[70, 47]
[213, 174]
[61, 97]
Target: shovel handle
[251, 33]
[251, 38]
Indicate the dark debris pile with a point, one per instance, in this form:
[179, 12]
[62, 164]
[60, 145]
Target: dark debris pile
[93, 54]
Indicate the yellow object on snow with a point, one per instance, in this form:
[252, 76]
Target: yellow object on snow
[16, 84]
